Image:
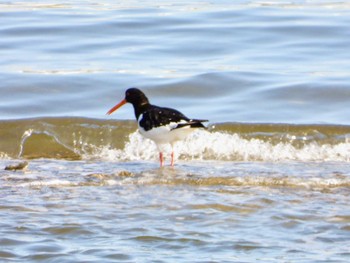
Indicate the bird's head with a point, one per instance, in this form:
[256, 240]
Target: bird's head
[134, 96]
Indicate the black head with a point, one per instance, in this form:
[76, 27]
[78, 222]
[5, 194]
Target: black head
[138, 100]
[136, 97]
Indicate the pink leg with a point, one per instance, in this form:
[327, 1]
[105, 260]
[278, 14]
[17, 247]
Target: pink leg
[161, 159]
[172, 159]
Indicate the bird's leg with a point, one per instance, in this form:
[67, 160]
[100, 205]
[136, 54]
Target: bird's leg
[161, 159]
[172, 155]
[172, 158]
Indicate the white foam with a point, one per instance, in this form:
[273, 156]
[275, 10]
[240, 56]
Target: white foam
[49, 183]
[205, 145]
[137, 148]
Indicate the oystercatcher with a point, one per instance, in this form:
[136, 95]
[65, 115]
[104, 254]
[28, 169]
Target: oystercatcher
[162, 125]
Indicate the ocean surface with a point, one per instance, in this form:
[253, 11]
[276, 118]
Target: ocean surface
[267, 181]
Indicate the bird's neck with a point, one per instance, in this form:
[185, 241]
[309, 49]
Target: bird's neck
[140, 108]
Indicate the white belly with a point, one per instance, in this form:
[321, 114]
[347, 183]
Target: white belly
[166, 134]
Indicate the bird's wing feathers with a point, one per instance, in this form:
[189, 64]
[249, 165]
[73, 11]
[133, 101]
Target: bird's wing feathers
[158, 116]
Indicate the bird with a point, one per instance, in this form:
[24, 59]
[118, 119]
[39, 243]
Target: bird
[160, 124]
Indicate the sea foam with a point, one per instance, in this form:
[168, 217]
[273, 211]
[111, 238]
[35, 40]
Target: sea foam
[206, 145]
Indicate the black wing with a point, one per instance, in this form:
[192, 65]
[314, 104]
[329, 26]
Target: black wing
[158, 116]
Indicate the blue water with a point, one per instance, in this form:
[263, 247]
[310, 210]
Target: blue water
[93, 192]
[245, 61]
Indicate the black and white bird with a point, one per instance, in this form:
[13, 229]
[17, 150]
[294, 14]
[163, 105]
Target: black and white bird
[162, 125]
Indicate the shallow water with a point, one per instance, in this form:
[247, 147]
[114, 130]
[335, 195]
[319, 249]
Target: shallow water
[213, 211]
[268, 181]
[93, 192]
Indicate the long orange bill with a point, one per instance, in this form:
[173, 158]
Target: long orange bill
[116, 107]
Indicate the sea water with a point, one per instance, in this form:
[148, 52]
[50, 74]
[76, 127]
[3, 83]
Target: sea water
[267, 181]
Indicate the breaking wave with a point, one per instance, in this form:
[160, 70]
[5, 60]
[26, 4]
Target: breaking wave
[109, 140]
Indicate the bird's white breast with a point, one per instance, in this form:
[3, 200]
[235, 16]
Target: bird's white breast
[167, 133]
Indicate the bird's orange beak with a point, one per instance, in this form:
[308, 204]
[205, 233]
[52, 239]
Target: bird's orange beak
[116, 107]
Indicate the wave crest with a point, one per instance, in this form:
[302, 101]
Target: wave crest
[205, 145]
